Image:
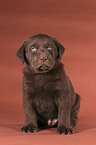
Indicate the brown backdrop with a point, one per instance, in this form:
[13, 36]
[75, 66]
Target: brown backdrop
[73, 23]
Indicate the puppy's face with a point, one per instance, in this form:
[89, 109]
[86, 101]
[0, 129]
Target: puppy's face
[40, 52]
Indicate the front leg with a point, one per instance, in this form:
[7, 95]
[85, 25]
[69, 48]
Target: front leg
[64, 107]
[30, 115]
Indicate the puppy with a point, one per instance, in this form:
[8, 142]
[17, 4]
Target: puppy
[48, 95]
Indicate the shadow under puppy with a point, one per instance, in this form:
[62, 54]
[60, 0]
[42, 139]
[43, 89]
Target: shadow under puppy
[48, 95]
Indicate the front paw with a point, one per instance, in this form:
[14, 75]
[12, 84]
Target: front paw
[64, 130]
[28, 128]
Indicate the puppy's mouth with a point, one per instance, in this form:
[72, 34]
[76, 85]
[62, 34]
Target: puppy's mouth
[43, 68]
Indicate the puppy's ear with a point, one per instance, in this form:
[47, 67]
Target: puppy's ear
[21, 52]
[61, 49]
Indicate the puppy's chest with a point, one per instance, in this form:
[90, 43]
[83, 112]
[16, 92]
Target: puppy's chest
[44, 98]
[43, 84]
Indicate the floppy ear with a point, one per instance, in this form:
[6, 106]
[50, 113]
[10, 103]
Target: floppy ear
[20, 52]
[61, 49]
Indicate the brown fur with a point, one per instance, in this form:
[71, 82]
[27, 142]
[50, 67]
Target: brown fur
[47, 91]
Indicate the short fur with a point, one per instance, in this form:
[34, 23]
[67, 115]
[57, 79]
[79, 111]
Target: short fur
[48, 94]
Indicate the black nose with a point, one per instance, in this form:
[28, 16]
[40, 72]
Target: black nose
[44, 58]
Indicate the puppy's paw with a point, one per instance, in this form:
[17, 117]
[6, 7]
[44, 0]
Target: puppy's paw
[29, 128]
[64, 130]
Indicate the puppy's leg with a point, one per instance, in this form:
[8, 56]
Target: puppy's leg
[64, 114]
[74, 111]
[30, 116]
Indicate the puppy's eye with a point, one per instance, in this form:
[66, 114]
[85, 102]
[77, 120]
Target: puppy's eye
[32, 49]
[49, 48]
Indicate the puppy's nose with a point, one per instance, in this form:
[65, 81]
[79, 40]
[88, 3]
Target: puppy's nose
[44, 58]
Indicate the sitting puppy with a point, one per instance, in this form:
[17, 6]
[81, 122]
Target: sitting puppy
[48, 95]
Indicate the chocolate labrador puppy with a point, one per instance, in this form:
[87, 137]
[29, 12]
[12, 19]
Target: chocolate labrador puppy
[48, 95]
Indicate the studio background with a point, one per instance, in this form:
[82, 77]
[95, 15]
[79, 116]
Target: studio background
[73, 23]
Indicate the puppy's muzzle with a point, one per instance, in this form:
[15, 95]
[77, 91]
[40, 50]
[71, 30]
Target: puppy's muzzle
[43, 67]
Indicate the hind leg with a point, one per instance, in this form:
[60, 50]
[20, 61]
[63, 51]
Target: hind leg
[75, 111]
[74, 120]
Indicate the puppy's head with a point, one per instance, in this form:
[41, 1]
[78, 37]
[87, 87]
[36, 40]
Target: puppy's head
[40, 52]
